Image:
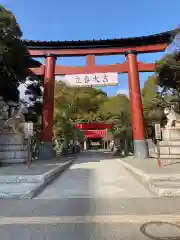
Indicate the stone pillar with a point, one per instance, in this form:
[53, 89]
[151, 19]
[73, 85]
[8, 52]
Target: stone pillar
[48, 107]
[140, 145]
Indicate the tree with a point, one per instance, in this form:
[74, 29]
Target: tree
[116, 110]
[74, 105]
[34, 99]
[168, 78]
[87, 102]
[153, 112]
[14, 56]
[163, 88]
[64, 107]
[62, 125]
[83, 102]
[152, 109]
[168, 71]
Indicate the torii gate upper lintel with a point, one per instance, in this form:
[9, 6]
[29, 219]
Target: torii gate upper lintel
[129, 47]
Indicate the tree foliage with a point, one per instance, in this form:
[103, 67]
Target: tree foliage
[34, 98]
[14, 63]
[152, 109]
[81, 103]
[74, 105]
[153, 112]
[168, 76]
[116, 110]
[14, 56]
[168, 71]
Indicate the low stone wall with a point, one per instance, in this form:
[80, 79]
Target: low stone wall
[169, 147]
[12, 148]
[170, 144]
[170, 134]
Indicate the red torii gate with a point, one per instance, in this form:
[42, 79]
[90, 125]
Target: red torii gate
[129, 47]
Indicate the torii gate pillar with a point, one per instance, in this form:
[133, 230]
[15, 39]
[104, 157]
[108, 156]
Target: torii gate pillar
[140, 144]
[48, 108]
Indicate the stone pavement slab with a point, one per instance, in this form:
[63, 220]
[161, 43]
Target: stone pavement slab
[90, 231]
[19, 182]
[105, 216]
[66, 219]
[149, 169]
[90, 206]
[163, 181]
[36, 167]
[95, 175]
[17, 191]
[150, 165]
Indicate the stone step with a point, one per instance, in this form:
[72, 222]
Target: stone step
[13, 160]
[28, 186]
[171, 134]
[20, 179]
[171, 150]
[169, 143]
[166, 156]
[14, 155]
[11, 138]
[165, 177]
[165, 189]
[166, 184]
[12, 148]
[18, 147]
[17, 191]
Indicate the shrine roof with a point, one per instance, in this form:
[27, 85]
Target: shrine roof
[164, 37]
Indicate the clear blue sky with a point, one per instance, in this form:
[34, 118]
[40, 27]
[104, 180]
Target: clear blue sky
[77, 20]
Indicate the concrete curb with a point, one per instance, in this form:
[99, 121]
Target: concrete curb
[18, 179]
[37, 187]
[151, 179]
[164, 192]
[144, 176]
[48, 178]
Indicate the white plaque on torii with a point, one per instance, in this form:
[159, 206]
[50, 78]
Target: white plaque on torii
[95, 79]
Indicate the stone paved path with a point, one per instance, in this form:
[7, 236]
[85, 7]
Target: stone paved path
[95, 199]
[95, 175]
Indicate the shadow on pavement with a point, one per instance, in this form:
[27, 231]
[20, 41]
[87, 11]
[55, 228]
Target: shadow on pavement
[96, 156]
[87, 178]
[93, 157]
[167, 226]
